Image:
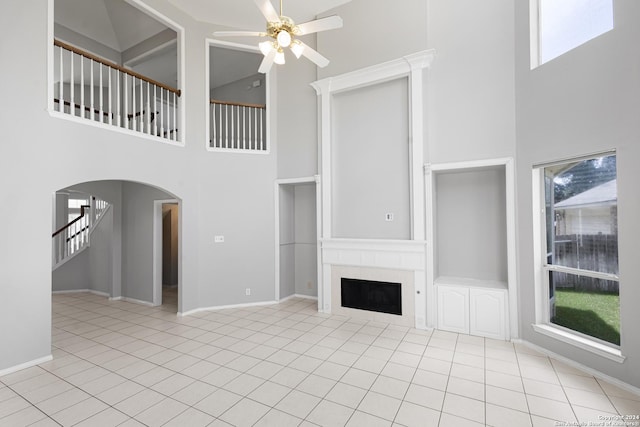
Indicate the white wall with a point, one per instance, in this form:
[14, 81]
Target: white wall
[287, 240]
[101, 254]
[306, 240]
[370, 162]
[242, 91]
[137, 239]
[470, 91]
[73, 275]
[585, 101]
[471, 230]
[297, 150]
[374, 31]
[221, 193]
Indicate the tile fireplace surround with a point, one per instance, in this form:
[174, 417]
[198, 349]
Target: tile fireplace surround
[400, 261]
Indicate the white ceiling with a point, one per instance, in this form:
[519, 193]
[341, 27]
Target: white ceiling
[114, 23]
[244, 14]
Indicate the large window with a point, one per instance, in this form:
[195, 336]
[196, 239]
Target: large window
[579, 248]
[563, 25]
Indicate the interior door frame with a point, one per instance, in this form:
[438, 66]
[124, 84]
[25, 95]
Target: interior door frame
[293, 182]
[157, 248]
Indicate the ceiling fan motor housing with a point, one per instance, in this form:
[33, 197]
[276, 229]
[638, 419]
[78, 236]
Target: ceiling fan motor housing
[285, 24]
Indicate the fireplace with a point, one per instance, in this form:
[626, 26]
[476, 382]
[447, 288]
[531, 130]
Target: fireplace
[402, 282]
[371, 295]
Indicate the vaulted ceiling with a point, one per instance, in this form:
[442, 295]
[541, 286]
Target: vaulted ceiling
[112, 22]
[244, 14]
[120, 25]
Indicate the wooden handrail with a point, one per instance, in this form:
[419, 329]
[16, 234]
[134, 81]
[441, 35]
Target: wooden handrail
[72, 222]
[237, 104]
[113, 65]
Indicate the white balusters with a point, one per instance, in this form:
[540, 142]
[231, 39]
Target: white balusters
[237, 126]
[101, 109]
[61, 84]
[125, 99]
[82, 87]
[72, 109]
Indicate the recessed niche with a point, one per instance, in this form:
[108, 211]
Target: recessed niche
[470, 224]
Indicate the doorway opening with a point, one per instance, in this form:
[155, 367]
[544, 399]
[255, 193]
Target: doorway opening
[298, 267]
[166, 259]
[169, 295]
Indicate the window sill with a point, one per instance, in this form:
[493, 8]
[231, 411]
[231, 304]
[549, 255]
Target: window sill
[580, 342]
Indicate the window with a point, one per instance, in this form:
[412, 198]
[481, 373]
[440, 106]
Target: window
[579, 248]
[565, 25]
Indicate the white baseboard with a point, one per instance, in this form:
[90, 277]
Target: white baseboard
[133, 301]
[224, 307]
[78, 291]
[299, 296]
[251, 304]
[25, 365]
[618, 383]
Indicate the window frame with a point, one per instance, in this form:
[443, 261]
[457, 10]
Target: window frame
[542, 270]
[535, 34]
[270, 88]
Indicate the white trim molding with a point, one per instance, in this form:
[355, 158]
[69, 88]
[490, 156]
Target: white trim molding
[510, 210]
[583, 343]
[570, 362]
[376, 253]
[25, 365]
[297, 181]
[405, 255]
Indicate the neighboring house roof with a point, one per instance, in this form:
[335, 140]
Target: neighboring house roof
[603, 194]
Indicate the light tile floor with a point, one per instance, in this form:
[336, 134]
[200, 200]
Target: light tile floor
[121, 364]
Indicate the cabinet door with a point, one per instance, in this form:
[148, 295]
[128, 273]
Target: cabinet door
[488, 313]
[453, 309]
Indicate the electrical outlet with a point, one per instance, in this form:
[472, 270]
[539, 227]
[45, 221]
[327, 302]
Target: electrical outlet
[388, 217]
[247, 291]
[218, 239]
[309, 285]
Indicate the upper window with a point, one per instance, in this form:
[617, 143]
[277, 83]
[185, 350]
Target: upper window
[580, 262]
[564, 25]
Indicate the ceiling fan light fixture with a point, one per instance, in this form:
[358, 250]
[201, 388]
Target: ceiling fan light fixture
[284, 38]
[266, 47]
[297, 48]
[279, 57]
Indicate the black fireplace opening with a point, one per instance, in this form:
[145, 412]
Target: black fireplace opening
[383, 297]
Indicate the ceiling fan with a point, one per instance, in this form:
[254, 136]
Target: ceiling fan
[283, 33]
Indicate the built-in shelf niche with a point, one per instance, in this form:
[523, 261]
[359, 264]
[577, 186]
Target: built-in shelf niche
[470, 230]
[471, 227]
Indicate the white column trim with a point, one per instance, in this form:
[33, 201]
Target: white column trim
[411, 67]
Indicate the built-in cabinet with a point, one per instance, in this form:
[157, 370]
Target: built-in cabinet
[471, 262]
[475, 310]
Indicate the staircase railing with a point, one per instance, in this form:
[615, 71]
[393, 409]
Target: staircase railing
[75, 236]
[237, 126]
[93, 88]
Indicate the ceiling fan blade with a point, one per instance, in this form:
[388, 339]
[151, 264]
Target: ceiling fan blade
[268, 10]
[322, 24]
[313, 56]
[267, 62]
[239, 34]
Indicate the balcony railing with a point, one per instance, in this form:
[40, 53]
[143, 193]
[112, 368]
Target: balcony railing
[237, 126]
[92, 88]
